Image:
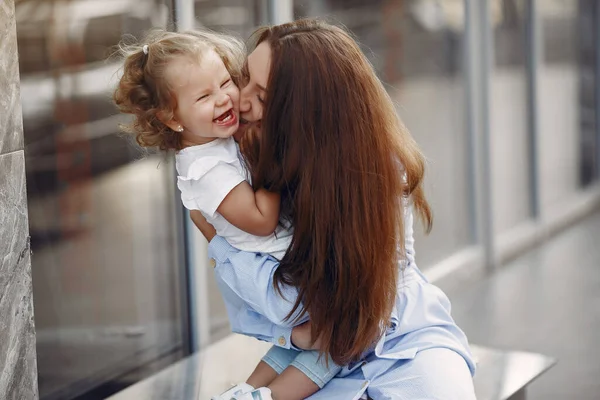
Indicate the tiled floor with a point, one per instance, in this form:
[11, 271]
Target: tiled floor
[547, 301]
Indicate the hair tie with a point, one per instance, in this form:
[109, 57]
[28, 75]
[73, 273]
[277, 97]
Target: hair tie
[145, 49]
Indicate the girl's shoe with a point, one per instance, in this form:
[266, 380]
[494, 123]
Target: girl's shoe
[257, 394]
[234, 391]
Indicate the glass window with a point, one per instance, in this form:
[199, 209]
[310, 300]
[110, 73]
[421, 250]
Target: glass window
[587, 57]
[238, 17]
[566, 102]
[106, 272]
[568, 98]
[509, 117]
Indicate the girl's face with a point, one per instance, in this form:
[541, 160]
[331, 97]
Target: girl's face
[207, 99]
[252, 96]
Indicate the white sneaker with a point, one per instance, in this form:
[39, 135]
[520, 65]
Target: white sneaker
[257, 394]
[234, 391]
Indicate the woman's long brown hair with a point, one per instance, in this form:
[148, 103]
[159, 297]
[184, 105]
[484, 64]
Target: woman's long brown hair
[333, 146]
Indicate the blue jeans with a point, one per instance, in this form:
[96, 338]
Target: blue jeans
[307, 362]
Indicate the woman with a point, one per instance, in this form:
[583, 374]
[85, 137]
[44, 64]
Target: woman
[350, 176]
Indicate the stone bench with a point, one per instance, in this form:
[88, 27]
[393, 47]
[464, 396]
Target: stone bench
[501, 375]
[505, 375]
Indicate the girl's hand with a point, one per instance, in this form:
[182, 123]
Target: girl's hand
[207, 229]
[302, 337]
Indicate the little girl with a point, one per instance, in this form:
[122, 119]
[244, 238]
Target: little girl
[182, 91]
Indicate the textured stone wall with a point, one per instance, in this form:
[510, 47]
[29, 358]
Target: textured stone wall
[18, 372]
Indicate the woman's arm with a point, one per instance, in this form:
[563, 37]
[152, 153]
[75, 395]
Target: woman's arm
[246, 280]
[249, 277]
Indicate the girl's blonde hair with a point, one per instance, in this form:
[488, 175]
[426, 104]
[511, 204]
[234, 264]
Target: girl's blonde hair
[143, 89]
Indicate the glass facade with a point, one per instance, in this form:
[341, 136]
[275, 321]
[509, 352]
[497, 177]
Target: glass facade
[585, 36]
[566, 102]
[509, 116]
[107, 274]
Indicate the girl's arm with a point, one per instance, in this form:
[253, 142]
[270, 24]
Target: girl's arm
[254, 212]
[207, 230]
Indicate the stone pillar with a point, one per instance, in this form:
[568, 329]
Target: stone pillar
[18, 367]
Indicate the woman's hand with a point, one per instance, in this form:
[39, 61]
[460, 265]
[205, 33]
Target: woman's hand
[207, 229]
[302, 337]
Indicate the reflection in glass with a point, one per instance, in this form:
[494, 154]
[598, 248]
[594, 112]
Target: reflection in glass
[566, 101]
[106, 272]
[586, 60]
[509, 116]
[237, 17]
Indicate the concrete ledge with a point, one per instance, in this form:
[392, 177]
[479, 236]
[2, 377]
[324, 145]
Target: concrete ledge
[502, 375]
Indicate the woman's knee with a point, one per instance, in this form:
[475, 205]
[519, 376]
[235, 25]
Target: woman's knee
[445, 373]
[433, 374]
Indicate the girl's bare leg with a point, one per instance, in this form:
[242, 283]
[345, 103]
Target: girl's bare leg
[262, 376]
[292, 384]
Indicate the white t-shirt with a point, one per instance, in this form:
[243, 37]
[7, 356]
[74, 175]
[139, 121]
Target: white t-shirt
[206, 175]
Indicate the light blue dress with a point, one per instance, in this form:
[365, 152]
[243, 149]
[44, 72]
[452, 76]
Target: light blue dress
[423, 354]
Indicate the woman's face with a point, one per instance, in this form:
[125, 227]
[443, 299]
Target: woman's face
[253, 94]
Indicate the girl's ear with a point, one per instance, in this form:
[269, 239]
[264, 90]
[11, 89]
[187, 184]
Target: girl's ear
[170, 121]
